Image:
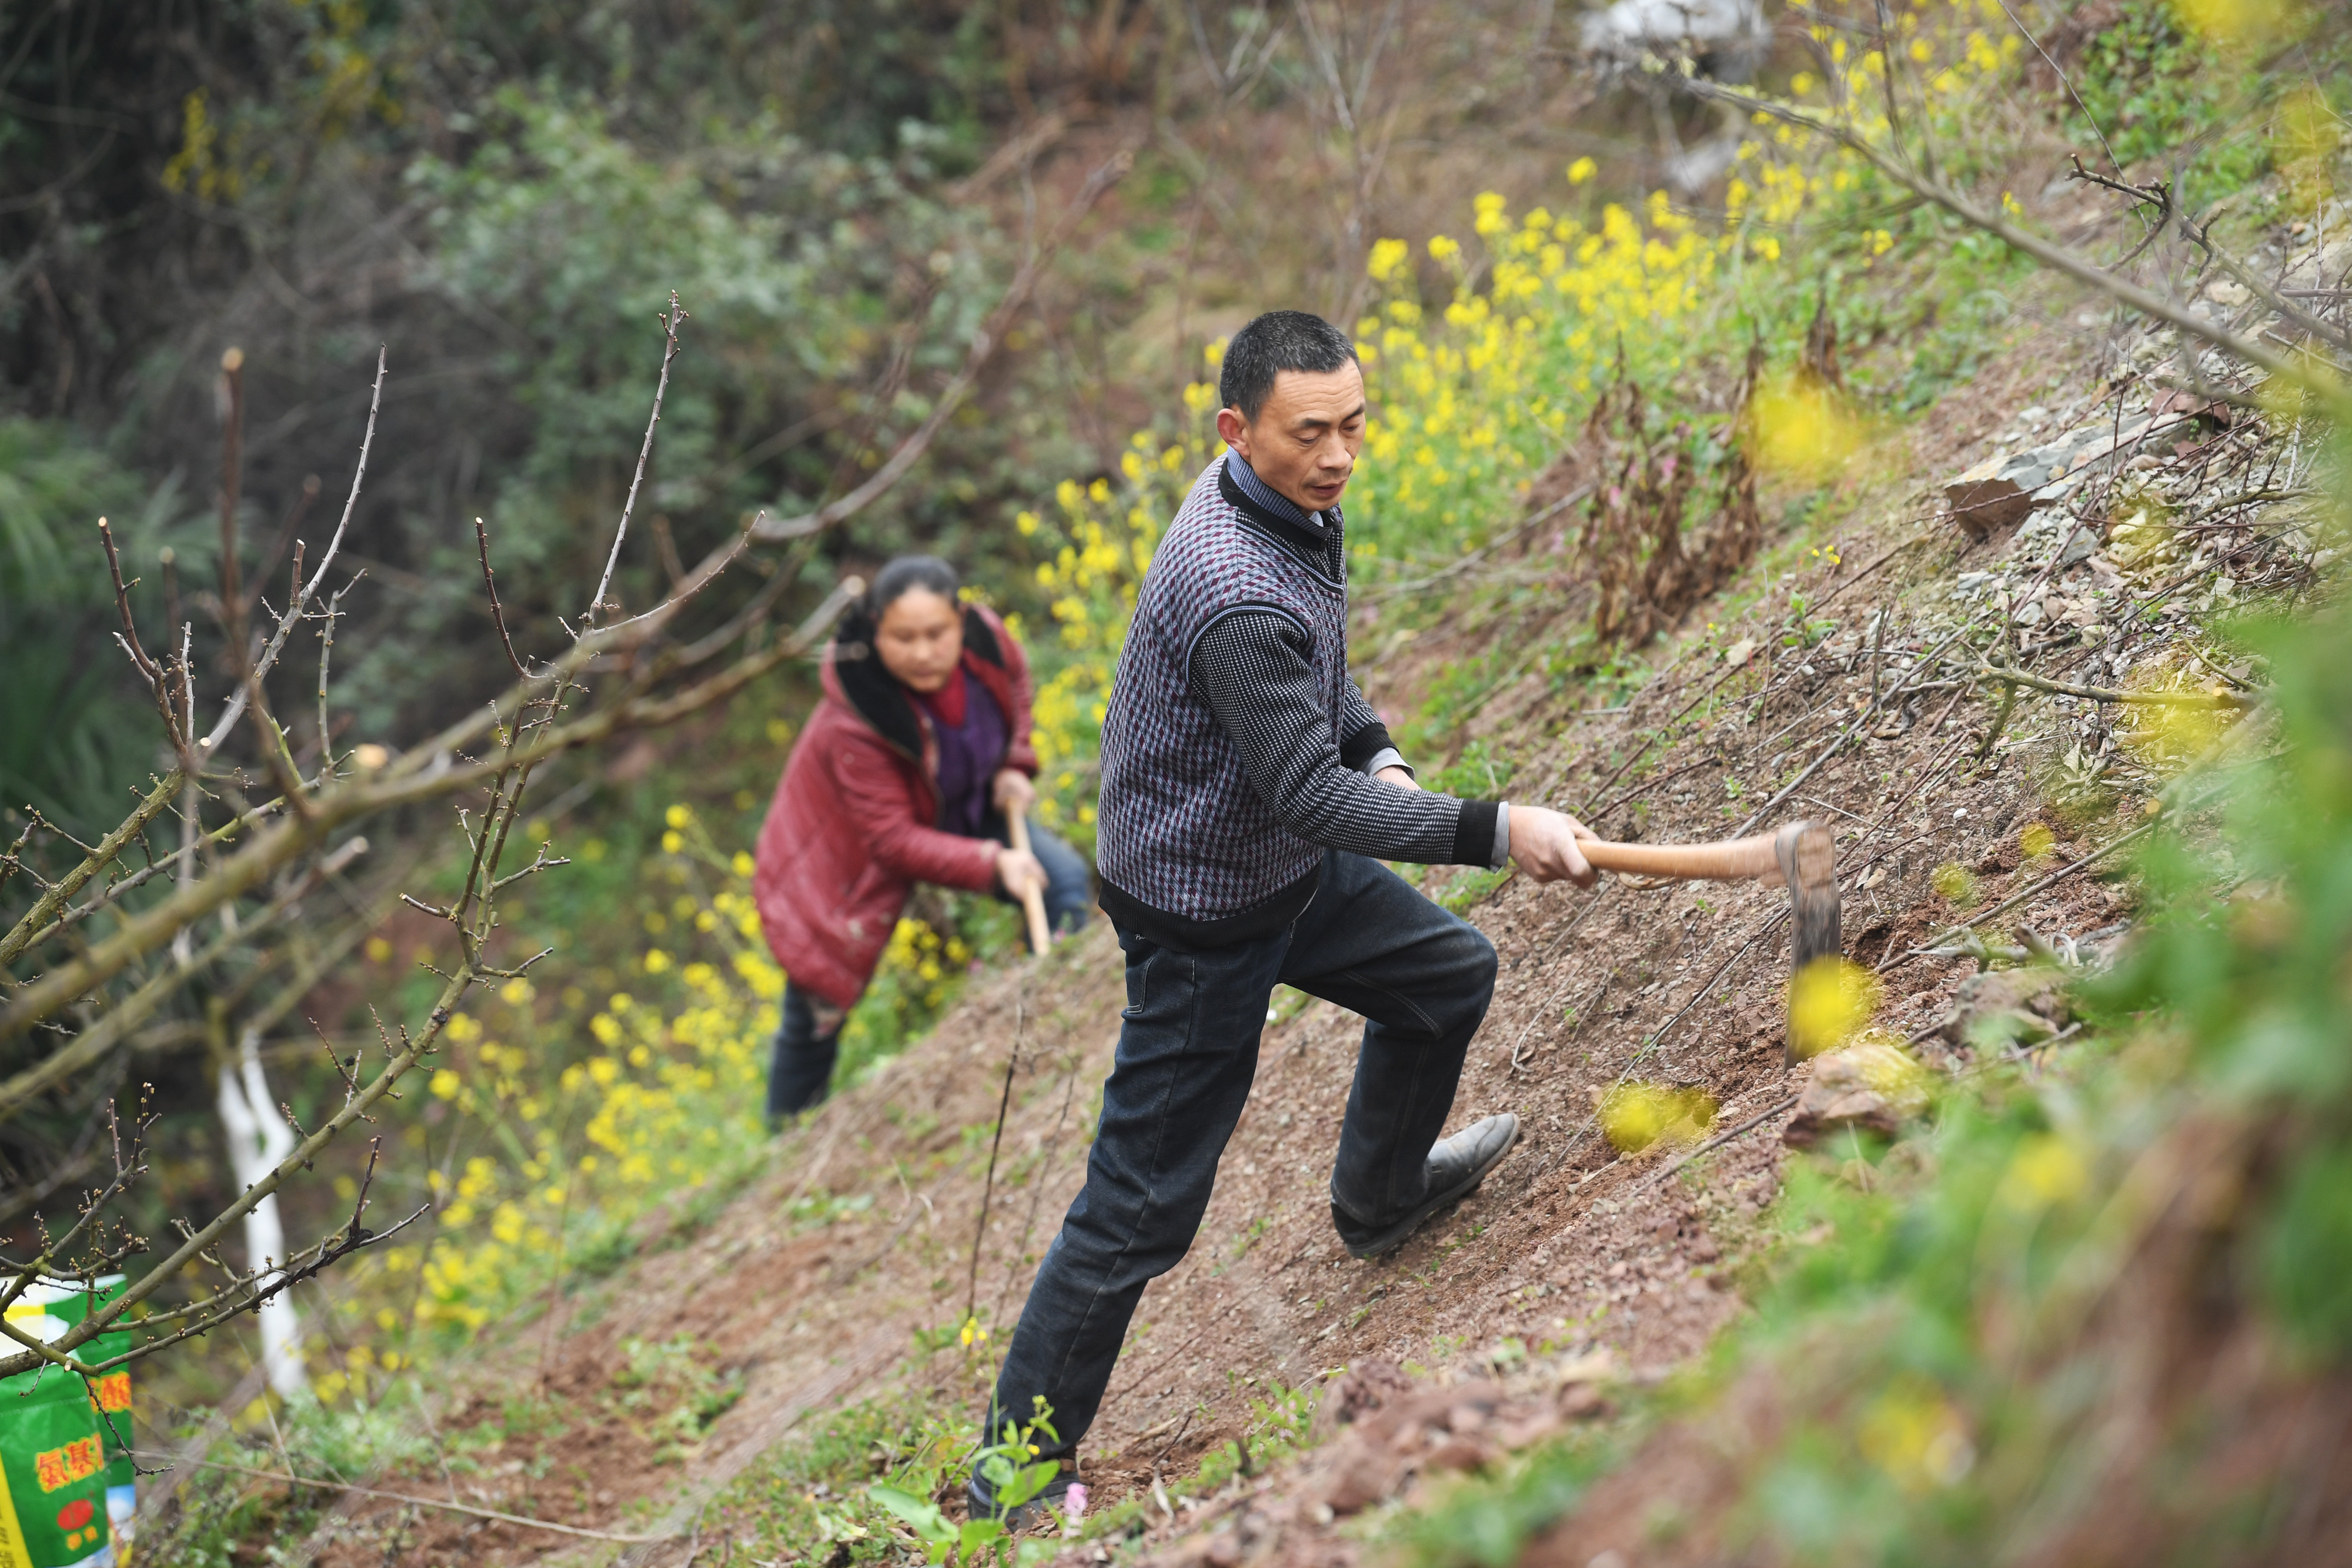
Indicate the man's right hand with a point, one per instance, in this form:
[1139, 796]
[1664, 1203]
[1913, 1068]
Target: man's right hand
[1543, 845]
[1017, 872]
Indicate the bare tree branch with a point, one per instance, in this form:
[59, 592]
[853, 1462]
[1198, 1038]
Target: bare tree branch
[346, 803]
[36, 921]
[2301, 370]
[120, 1020]
[286, 622]
[232, 589]
[497, 615]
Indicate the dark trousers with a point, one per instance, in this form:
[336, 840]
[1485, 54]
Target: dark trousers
[808, 1036]
[1187, 1052]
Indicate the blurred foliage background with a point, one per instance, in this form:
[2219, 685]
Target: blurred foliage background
[504, 196]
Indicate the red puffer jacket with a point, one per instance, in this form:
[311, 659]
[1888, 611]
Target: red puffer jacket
[853, 827]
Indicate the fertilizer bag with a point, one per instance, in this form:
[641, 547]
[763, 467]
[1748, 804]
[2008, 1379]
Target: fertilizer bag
[52, 1459]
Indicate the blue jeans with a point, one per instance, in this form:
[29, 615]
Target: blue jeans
[808, 1036]
[1188, 1049]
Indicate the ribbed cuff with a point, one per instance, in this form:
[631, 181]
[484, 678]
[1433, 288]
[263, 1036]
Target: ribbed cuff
[1474, 833]
[1359, 750]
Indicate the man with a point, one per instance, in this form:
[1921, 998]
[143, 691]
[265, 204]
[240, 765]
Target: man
[1249, 794]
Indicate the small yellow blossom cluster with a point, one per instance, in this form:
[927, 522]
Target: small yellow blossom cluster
[654, 1111]
[1100, 540]
[1471, 402]
[534, 1170]
[1471, 397]
[930, 961]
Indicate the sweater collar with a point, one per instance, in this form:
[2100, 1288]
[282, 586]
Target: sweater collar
[1315, 543]
[1268, 497]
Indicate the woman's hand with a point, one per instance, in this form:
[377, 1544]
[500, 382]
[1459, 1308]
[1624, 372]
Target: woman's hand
[1013, 792]
[1017, 872]
[1543, 845]
[1393, 774]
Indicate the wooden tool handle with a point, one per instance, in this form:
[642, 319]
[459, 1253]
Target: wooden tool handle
[1733, 860]
[1033, 903]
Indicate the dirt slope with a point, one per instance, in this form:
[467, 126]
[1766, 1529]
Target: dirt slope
[811, 1283]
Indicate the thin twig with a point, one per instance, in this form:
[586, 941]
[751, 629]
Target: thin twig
[490, 585]
[286, 622]
[2052, 880]
[2056, 256]
[644, 454]
[1658, 1037]
[1717, 1142]
[489, 1513]
[988, 1189]
[2088, 119]
[232, 590]
[37, 922]
[2014, 676]
[1847, 735]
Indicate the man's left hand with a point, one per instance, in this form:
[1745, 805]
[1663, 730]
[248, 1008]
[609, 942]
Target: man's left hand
[1013, 792]
[1393, 774]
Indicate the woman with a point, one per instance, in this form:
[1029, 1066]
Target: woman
[908, 771]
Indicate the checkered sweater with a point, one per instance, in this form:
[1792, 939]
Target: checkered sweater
[1235, 748]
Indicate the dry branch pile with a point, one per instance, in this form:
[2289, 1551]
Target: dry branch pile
[1647, 570]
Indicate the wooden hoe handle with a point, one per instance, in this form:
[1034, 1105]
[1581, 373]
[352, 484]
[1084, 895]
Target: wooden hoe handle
[1731, 860]
[1033, 903]
[1802, 857]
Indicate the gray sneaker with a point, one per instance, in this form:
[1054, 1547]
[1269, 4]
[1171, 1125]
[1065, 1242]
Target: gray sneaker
[1456, 1165]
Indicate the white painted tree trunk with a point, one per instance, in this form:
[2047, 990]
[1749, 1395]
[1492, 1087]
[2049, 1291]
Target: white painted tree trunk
[259, 1138]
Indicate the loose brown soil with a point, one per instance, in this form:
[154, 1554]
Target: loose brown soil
[1570, 1250]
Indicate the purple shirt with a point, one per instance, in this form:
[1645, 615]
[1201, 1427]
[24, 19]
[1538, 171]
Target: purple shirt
[970, 729]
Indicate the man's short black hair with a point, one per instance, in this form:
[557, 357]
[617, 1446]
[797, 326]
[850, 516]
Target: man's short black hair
[1276, 341]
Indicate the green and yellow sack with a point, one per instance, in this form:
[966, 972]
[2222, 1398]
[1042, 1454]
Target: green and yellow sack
[53, 1476]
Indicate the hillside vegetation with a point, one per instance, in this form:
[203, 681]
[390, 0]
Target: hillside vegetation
[1806, 492]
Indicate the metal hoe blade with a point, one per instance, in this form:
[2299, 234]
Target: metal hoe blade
[1809, 864]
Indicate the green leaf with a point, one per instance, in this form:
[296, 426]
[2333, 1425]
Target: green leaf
[1026, 1483]
[922, 1514]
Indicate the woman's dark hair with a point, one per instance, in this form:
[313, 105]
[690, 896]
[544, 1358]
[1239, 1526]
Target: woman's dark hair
[903, 575]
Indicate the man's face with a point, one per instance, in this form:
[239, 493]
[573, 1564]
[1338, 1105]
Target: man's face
[1304, 442]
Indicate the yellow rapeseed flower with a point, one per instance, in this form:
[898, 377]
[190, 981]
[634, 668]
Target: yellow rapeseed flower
[1803, 430]
[2046, 1171]
[1636, 1115]
[1915, 1436]
[1830, 1001]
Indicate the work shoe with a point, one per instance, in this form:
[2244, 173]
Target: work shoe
[979, 1502]
[1456, 1165]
